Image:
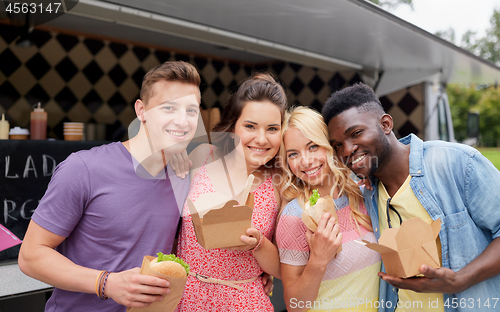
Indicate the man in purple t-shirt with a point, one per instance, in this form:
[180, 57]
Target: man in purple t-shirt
[106, 208]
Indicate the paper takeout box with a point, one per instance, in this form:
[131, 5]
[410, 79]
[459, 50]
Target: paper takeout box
[170, 302]
[328, 206]
[221, 225]
[405, 249]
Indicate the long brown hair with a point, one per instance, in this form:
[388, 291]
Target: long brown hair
[258, 87]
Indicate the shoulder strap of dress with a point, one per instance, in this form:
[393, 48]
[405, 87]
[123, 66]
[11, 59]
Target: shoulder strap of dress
[210, 153]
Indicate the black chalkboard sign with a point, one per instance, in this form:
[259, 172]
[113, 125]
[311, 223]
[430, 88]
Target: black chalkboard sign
[26, 168]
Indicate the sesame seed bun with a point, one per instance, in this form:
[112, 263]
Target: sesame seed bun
[169, 268]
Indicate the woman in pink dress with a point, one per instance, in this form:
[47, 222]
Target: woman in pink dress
[253, 113]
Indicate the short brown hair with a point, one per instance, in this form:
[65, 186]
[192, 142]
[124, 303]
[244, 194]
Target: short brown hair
[169, 71]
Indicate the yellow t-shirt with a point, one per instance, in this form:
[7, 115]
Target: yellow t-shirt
[408, 206]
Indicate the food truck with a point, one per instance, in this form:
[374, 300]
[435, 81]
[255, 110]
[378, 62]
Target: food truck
[87, 65]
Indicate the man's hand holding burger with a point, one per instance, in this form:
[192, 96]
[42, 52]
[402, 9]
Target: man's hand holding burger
[132, 289]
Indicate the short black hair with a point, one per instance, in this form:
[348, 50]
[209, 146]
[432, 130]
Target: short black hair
[358, 95]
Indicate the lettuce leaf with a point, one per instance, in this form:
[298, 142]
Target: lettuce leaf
[172, 257]
[314, 197]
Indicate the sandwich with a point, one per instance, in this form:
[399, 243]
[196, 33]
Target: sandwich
[169, 265]
[315, 207]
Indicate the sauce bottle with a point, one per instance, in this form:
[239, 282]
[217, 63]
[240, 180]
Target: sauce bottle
[38, 123]
[4, 128]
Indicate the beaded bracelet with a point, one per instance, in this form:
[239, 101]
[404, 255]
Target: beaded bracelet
[259, 244]
[102, 285]
[98, 282]
[103, 296]
[101, 277]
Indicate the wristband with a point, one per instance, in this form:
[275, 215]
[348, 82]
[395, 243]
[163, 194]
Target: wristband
[103, 296]
[102, 284]
[259, 244]
[98, 282]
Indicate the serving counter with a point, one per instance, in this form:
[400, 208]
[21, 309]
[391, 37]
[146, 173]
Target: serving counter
[26, 167]
[25, 170]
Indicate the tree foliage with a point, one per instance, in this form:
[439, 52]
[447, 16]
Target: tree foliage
[461, 99]
[448, 34]
[486, 101]
[489, 117]
[392, 4]
[466, 98]
[487, 47]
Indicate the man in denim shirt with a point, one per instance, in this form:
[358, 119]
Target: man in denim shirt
[438, 180]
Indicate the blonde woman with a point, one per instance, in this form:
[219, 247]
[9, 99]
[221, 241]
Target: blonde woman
[314, 277]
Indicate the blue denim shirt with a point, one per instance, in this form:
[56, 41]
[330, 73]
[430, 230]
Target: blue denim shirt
[458, 185]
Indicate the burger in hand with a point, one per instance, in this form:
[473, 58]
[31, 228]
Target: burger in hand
[170, 265]
[315, 208]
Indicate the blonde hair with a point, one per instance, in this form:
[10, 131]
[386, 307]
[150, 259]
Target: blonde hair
[311, 125]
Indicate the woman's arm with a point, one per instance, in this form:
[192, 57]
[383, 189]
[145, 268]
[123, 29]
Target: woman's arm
[301, 283]
[267, 255]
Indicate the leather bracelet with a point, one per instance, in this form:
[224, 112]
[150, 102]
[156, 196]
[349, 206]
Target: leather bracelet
[102, 285]
[99, 287]
[259, 244]
[98, 282]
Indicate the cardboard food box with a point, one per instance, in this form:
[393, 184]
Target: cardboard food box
[405, 249]
[220, 225]
[170, 302]
[326, 205]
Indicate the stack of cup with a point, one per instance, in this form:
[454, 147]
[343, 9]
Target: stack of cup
[73, 131]
[18, 133]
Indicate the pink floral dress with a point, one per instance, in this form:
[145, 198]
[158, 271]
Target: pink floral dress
[223, 264]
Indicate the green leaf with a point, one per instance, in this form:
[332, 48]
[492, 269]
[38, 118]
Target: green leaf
[314, 198]
[172, 257]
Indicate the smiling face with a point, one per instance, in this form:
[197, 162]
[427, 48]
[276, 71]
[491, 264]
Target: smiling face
[259, 129]
[171, 115]
[359, 138]
[306, 159]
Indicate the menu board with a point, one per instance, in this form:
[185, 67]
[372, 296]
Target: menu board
[26, 167]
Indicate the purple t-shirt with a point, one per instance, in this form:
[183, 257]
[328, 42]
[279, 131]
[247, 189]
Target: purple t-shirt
[111, 217]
